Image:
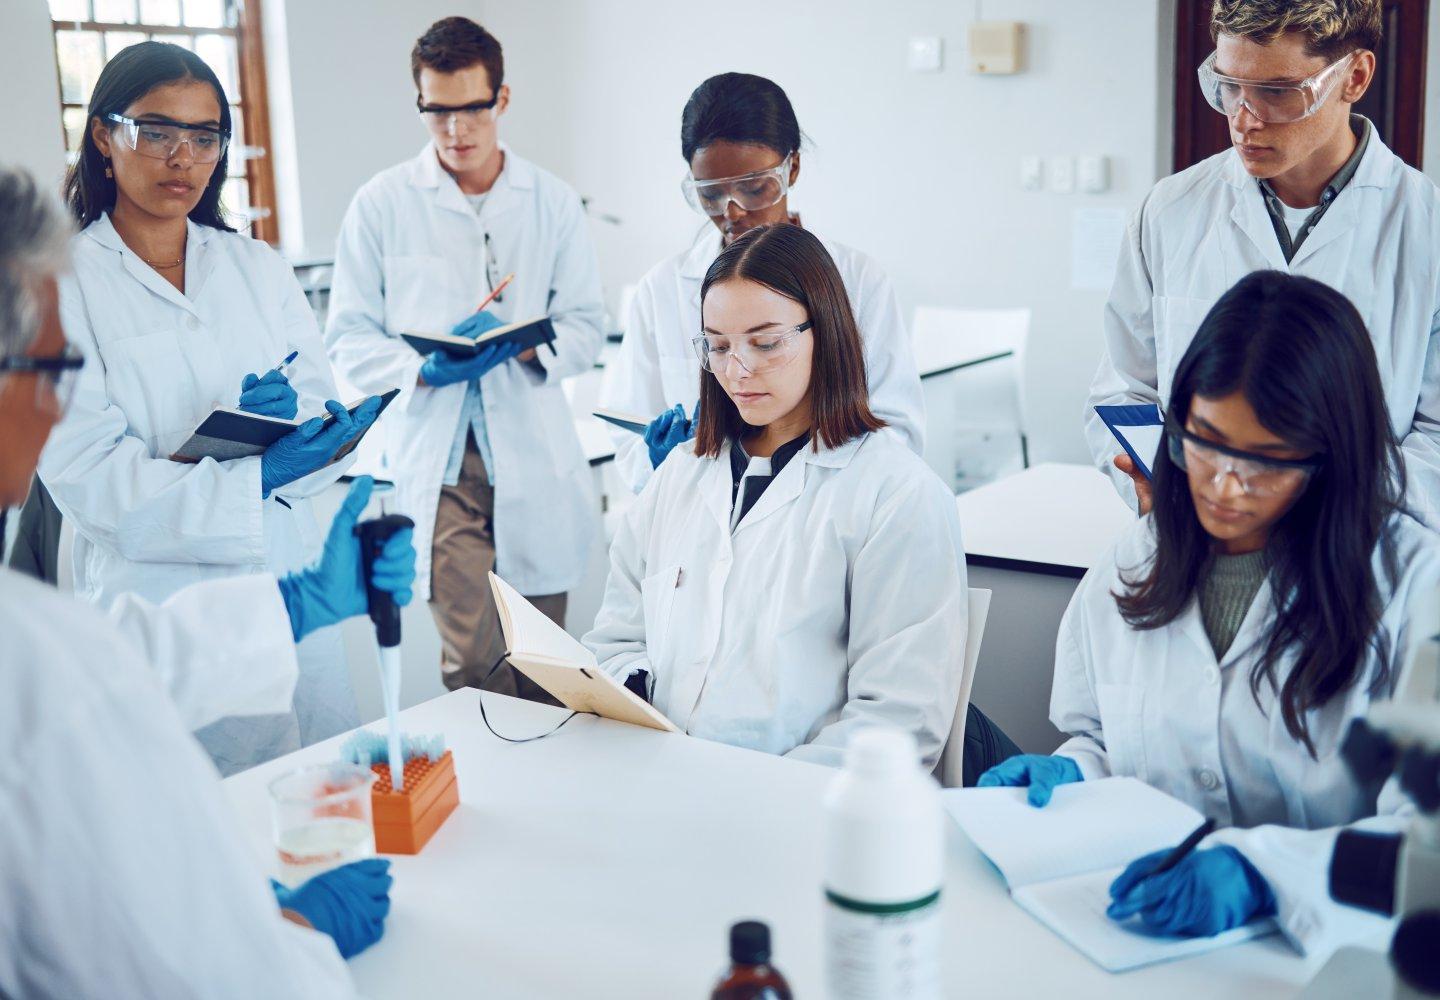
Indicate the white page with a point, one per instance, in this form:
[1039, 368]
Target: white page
[533, 634]
[1144, 439]
[1074, 908]
[1087, 825]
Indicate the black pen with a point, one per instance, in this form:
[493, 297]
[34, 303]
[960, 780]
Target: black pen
[1181, 850]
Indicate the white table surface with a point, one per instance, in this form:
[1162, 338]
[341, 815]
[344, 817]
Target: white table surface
[609, 861]
[1056, 516]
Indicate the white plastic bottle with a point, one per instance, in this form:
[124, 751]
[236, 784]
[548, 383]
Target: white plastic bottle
[884, 867]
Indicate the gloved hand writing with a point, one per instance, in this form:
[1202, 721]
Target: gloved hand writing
[348, 903]
[1208, 892]
[313, 444]
[269, 396]
[444, 368]
[334, 588]
[668, 430]
[1041, 772]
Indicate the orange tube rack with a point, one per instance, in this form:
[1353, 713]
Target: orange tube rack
[406, 820]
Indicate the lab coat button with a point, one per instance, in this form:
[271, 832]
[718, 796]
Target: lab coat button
[192, 323]
[1208, 780]
[1211, 675]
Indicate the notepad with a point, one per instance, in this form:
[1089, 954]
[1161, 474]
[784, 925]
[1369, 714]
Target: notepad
[559, 663]
[1140, 430]
[228, 433]
[626, 421]
[525, 335]
[1059, 861]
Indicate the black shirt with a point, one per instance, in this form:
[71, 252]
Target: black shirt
[755, 485]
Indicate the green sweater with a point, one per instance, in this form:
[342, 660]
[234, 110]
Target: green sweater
[1226, 593]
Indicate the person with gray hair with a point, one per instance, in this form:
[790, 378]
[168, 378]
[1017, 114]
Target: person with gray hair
[124, 871]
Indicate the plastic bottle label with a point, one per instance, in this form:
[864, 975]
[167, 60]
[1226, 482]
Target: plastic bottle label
[882, 951]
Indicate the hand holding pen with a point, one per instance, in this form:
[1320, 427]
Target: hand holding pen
[270, 395]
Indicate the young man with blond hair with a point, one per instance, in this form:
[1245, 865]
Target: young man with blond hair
[1309, 188]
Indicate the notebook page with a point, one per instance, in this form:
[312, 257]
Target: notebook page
[532, 634]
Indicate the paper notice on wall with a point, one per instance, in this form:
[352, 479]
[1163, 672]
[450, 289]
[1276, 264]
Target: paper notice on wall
[1095, 237]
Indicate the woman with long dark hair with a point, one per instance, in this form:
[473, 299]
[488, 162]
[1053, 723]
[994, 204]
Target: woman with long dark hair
[796, 572]
[179, 313]
[1223, 650]
[742, 147]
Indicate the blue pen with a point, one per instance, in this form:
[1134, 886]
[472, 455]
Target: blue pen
[284, 364]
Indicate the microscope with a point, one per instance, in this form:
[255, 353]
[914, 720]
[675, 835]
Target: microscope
[1395, 874]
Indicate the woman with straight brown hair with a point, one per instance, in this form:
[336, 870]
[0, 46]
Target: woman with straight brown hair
[795, 572]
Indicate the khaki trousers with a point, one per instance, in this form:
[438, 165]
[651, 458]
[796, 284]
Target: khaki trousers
[460, 596]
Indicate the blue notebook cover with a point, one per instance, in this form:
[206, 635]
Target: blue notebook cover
[1140, 430]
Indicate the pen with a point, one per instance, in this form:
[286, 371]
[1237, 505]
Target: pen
[1181, 850]
[283, 364]
[495, 294]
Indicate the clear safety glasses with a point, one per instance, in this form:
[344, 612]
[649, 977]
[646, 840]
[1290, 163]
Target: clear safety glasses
[1258, 475]
[752, 192]
[163, 139]
[54, 378]
[451, 121]
[758, 353]
[1275, 103]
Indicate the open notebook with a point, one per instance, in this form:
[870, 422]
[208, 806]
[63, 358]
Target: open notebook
[554, 659]
[525, 334]
[1140, 430]
[1059, 861]
[228, 433]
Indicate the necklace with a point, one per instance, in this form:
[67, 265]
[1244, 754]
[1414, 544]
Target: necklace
[162, 265]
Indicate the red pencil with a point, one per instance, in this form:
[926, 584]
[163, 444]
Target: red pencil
[498, 289]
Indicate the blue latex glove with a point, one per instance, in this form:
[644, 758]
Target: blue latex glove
[666, 431]
[444, 368]
[270, 396]
[334, 588]
[1040, 771]
[313, 444]
[348, 903]
[1208, 892]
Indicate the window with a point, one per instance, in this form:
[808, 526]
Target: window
[225, 33]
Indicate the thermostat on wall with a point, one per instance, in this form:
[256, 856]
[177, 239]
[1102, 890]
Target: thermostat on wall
[995, 46]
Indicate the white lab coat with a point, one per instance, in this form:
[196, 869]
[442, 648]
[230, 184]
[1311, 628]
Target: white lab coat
[1202, 230]
[656, 366]
[1156, 705]
[838, 602]
[124, 873]
[412, 256]
[157, 363]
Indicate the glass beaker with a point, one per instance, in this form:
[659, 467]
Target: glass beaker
[320, 818]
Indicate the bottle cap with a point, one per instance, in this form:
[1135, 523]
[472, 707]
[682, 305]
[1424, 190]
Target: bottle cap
[882, 751]
[750, 943]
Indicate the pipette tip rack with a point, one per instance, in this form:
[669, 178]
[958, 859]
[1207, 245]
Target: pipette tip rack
[406, 820]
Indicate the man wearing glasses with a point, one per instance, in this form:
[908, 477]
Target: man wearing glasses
[1309, 188]
[483, 450]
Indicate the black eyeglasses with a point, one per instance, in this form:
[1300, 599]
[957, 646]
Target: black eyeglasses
[1259, 475]
[58, 374]
[438, 112]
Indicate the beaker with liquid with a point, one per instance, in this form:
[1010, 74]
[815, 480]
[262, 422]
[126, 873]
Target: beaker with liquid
[320, 817]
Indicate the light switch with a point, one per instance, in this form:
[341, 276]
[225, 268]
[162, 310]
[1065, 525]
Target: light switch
[927, 54]
[1062, 174]
[1032, 175]
[1094, 174]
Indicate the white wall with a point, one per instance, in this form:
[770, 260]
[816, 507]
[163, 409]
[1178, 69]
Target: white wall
[33, 137]
[920, 170]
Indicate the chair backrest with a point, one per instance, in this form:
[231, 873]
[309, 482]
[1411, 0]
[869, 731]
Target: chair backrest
[952, 758]
[936, 330]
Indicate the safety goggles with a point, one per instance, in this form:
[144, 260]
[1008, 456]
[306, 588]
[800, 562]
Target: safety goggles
[1258, 475]
[1274, 103]
[449, 121]
[757, 353]
[752, 192]
[55, 377]
[163, 139]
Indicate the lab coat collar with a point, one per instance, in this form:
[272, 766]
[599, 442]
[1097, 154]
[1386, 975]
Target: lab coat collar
[698, 260]
[1252, 628]
[198, 262]
[1376, 167]
[790, 483]
[517, 174]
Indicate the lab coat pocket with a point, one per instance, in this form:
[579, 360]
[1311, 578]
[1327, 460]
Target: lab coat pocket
[149, 379]
[1177, 318]
[418, 295]
[1122, 721]
[657, 593]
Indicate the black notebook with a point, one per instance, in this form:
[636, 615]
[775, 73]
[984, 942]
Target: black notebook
[229, 434]
[527, 334]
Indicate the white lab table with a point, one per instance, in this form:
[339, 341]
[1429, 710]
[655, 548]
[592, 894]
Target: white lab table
[1029, 538]
[609, 861]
